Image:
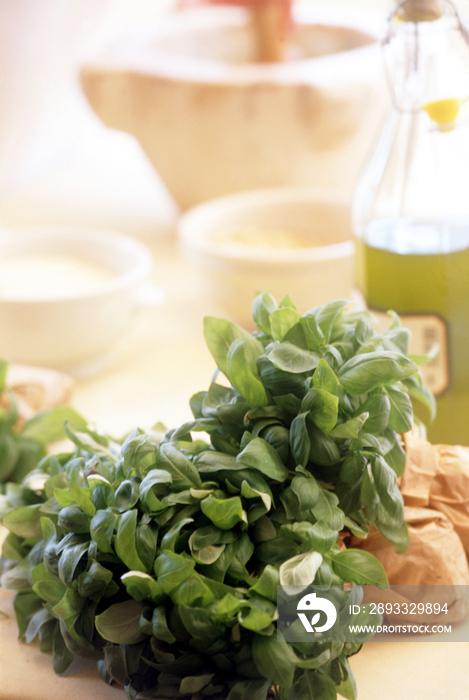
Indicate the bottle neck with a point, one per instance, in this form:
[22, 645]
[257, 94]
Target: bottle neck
[419, 10]
[426, 57]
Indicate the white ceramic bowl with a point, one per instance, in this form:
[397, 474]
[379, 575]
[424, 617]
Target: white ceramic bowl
[74, 331]
[212, 121]
[232, 273]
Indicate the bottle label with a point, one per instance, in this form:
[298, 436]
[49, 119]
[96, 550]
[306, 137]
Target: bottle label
[427, 330]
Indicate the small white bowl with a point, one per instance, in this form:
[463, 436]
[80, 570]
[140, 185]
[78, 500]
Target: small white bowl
[74, 331]
[319, 270]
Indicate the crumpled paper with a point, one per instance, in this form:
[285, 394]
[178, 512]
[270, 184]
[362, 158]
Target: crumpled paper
[435, 488]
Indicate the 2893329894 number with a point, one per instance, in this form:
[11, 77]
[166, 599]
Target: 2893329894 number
[407, 608]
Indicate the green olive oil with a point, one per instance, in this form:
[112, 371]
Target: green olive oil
[421, 270]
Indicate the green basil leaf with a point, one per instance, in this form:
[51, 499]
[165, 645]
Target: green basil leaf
[264, 304]
[358, 566]
[196, 591]
[322, 407]
[347, 688]
[282, 321]
[25, 604]
[69, 606]
[194, 684]
[249, 690]
[307, 490]
[120, 623]
[324, 449]
[228, 607]
[208, 555]
[274, 659]
[350, 428]
[363, 330]
[183, 472]
[62, 657]
[172, 570]
[24, 521]
[171, 536]
[266, 584]
[300, 570]
[201, 623]
[419, 391]
[325, 378]
[127, 494]
[399, 537]
[224, 513]
[48, 426]
[258, 616]
[139, 454]
[376, 443]
[244, 549]
[102, 529]
[353, 467]
[153, 487]
[114, 665]
[327, 510]
[248, 492]
[218, 569]
[401, 412]
[317, 536]
[141, 586]
[328, 316]
[159, 626]
[279, 438]
[396, 456]
[276, 550]
[70, 561]
[290, 358]
[146, 537]
[211, 535]
[40, 618]
[124, 544]
[378, 407]
[48, 588]
[215, 398]
[220, 334]
[368, 371]
[94, 582]
[380, 493]
[299, 439]
[241, 370]
[279, 382]
[261, 456]
[313, 685]
[313, 333]
[29, 454]
[290, 404]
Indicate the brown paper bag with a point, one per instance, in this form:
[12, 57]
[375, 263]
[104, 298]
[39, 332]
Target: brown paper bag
[435, 489]
[435, 554]
[449, 488]
[434, 557]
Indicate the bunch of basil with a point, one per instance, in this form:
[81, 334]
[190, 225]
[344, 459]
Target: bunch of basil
[22, 448]
[160, 557]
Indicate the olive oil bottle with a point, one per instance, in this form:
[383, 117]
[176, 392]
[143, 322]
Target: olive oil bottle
[411, 205]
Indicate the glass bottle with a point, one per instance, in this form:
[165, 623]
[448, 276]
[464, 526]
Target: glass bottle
[411, 204]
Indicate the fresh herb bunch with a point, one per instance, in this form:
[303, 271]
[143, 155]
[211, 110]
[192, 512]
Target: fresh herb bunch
[160, 557]
[21, 448]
